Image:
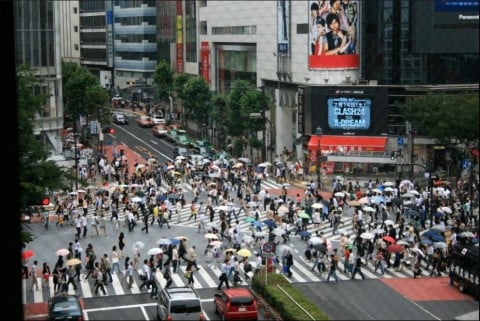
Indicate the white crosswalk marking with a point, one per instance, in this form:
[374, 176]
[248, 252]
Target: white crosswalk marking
[117, 284]
[207, 276]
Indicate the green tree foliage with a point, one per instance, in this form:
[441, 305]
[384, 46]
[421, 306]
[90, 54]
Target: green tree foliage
[82, 93]
[163, 78]
[36, 174]
[219, 110]
[449, 118]
[196, 100]
[179, 82]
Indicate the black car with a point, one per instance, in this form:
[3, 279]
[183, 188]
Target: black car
[464, 267]
[65, 307]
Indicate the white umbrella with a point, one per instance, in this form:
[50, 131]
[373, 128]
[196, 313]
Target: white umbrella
[389, 222]
[368, 209]
[252, 204]
[278, 231]
[389, 184]
[416, 249]
[284, 247]
[317, 205]
[379, 231]
[139, 245]
[367, 235]
[403, 242]
[388, 189]
[154, 251]
[440, 245]
[446, 209]
[224, 208]
[136, 199]
[376, 190]
[81, 191]
[315, 240]
[163, 242]
[414, 192]
[260, 234]
[339, 194]
[408, 194]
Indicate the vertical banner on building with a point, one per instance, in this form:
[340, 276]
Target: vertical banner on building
[179, 36]
[283, 26]
[334, 30]
[205, 60]
[221, 70]
[301, 110]
[110, 38]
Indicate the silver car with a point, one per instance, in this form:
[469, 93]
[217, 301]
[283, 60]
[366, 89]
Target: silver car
[182, 303]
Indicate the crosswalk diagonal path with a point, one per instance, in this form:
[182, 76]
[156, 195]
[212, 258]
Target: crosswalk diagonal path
[206, 277]
[208, 274]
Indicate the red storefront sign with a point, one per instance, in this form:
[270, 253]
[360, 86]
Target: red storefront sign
[179, 37]
[205, 60]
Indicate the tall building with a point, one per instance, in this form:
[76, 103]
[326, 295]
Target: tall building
[38, 44]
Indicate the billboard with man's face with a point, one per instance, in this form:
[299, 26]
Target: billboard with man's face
[334, 31]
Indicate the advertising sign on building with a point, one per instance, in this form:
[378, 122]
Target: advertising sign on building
[110, 37]
[350, 110]
[283, 26]
[334, 35]
[179, 36]
[205, 60]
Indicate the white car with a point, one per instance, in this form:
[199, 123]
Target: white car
[158, 119]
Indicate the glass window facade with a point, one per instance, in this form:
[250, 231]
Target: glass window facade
[191, 31]
[234, 63]
[34, 33]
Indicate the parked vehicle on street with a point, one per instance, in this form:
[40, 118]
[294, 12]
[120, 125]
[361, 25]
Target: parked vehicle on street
[158, 119]
[464, 268]
[144, 121]
[182, 303]
[236, 304]
[173, 134]
[160, 130]
[180, 151]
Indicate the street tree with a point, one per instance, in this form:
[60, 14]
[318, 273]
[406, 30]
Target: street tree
[243, 100]
[196, 101]
[451, 119]
[83, 94]
[163, 78]
[219, 110]
[37, 176]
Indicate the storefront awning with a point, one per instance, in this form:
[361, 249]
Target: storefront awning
[344, 144]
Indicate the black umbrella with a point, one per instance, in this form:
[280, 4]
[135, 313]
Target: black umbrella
[396, 201]
[411, 206]
[320, 247]
[139, 194]
[412, 213]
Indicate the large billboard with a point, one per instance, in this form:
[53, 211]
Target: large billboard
[350, 110]
[444, 26]
[334, 31]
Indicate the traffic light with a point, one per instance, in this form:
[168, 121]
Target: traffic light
[393, 155]
[46, 201]
[108, 130]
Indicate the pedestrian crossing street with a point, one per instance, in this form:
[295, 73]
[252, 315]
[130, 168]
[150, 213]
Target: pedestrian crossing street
[208, 275]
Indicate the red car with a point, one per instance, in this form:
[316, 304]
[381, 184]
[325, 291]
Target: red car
[144, 121]
[236, 304]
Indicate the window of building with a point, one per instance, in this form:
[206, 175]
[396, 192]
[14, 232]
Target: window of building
[75, 10]
[191, 31]
[75, 28]
[76, 47]
[203, 28]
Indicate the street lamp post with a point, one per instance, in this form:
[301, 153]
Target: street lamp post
[318, 133]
